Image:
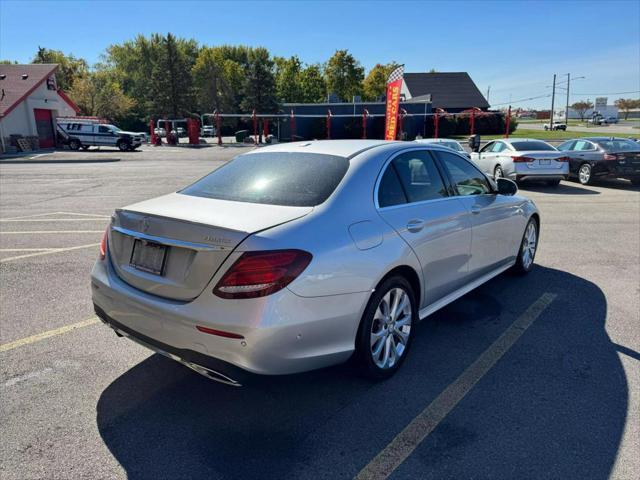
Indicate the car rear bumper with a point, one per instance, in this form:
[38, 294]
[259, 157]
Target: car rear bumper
[525, 172]
[283, 333]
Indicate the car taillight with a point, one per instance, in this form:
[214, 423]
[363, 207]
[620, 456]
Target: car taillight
[103, 244]
[522, 159]
[609, 156]
[562, 159]
[257, 274]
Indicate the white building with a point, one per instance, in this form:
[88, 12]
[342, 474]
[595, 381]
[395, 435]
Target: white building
[30, 101]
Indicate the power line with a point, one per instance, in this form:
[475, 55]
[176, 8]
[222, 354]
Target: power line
[521, 100]
[610, 93]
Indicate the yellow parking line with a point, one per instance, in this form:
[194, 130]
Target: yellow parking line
[49, 333]
[57, 250]
[421, 426]
[51, 231]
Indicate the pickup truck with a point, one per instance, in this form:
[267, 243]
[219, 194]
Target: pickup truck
[556, 126]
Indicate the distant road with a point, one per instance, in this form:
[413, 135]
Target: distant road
[619, 129]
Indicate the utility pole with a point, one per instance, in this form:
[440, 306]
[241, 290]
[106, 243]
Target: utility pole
[553, 99]
[566, 110]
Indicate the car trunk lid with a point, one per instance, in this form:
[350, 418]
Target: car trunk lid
[172, 246]
[543, 160]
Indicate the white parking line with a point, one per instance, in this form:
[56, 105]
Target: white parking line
[426, 422]
[55, 213]
[27, 220]
[57, 250]
[26, 249]
[51, 231]
[84, 214]
[31, 216]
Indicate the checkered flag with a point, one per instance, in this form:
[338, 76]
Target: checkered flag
[397, 74]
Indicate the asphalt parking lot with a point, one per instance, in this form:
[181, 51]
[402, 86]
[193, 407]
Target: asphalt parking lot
[534, 377]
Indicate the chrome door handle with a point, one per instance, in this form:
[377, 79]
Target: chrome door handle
[475, 210]
[415, 225]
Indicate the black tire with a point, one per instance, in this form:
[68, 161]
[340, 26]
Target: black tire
[635, 181]
[498, 172]
[74, 144]
[364, 356]
[522, 267]
[553, 183]
[585, 174]
[123, 146]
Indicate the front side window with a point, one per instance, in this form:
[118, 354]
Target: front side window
[498, 147]
[419, 176]
[103, 129]
[488, 147]
[277, 178]
[467, 179]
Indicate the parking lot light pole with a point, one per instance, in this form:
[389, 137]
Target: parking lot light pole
[566, 109]
[553, 98]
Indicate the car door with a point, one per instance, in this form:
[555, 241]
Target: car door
[484, 157]
[495, 218]
[414, 199]
[106, 136]
[501, 157]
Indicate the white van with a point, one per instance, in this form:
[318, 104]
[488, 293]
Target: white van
[81, 133]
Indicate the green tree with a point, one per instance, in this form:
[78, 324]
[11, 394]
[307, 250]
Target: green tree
[626, 104]
[157, 72]
[70, 68]
[344, 75]
[8, 62]
[312, 84]
[287, 79]
[259, 82]
[581, 107]
[99, 93]
[375, 83]
[217, 79]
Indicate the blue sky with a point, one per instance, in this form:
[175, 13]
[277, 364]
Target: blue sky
[513, 47]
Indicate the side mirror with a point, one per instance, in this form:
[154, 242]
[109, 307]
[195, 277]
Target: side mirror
[474, 143]
[506, 186]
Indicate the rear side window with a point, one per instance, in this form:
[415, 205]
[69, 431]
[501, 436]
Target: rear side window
[467, 179]
[390, 191]
[532, 145]
[419, 176]
[617, 145]
[582, 145]
[278, 178]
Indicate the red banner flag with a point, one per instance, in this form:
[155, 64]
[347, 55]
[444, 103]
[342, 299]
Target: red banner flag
[394, 85]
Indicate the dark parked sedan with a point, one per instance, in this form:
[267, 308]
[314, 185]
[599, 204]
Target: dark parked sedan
[598, 157]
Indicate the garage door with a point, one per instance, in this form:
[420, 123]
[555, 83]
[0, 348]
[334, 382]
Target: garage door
[44, 125]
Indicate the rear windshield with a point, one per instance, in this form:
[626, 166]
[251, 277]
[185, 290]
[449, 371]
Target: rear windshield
[532, 145]
[618, 145]
[278, 178]
[453, 146]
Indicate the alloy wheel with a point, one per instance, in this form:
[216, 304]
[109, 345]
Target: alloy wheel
[497, 173]
[529, 245]
[584, 174]
[391, 328]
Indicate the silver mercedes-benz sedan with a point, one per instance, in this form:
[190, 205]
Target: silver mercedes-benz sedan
[303, 255]
[523, 159]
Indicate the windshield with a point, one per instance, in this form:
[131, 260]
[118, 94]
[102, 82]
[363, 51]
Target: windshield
[618, 145]
[279, 178]
[531, 145]
[113, 127]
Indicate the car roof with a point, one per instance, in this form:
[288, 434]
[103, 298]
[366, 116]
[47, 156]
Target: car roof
[511, 140]
[340, 148]
[435, 140]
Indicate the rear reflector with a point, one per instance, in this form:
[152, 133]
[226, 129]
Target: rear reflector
[522, 159]
[103, 244]
[257, 274]
[219, 333]
[609, 156]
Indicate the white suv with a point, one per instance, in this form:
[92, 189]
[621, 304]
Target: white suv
[84, 135]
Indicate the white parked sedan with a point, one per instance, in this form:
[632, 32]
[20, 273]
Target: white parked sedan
[522, 159]
[301, 255]
[446, 142]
